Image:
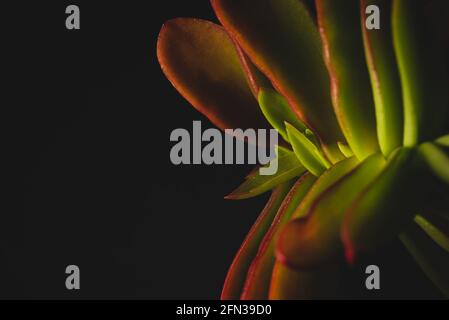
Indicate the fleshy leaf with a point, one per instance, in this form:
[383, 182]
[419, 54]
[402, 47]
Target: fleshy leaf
[255, 184]
[339, 22]
[237, 272]
[282, 40]
[345, 149]
[276, 110]
[201, 62]
[327, 179]
[322, 283]
[312, 137]
[310, 242]
[255, 77]
[433, 260]
[259, 275]
[308, 154]
[437, 228]
[384, 75]
[437, 160]
[423, 77]
[443, 141]
[386, 205]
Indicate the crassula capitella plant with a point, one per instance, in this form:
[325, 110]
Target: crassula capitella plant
[364, 118]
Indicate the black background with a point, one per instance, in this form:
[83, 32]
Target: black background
[89, 116]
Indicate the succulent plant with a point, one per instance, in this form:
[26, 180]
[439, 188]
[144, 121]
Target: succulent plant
[364, 115]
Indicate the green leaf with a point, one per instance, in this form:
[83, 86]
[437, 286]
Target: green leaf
[237, 272]
[345, 149]
[256, 184]
[308, 154]
[384, 74]
[314, 240]
[259, 274]
[339, 22]
[432, 259]
[282, 40]
[312, 137]
[201, 62]
[437, 228]
[437, 160]
[443, 141]
[276, 110]
[328, 178]
[385, 206]
[424, 79]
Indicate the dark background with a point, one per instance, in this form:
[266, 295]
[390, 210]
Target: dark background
[89, 116]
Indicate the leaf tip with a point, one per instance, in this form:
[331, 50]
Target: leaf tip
[234, 195]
